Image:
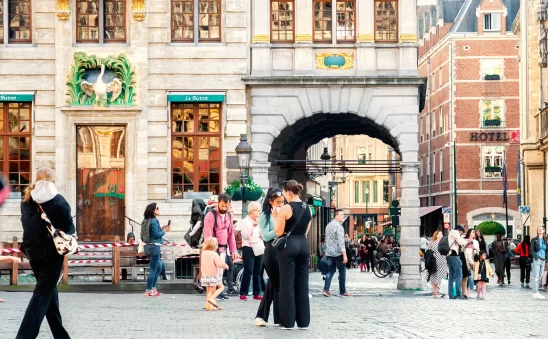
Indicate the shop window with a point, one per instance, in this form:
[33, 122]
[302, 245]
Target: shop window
[386, 20]
[15, 144]
[18, 29]
[492, 113]
[196, 148]
[183, 25]
[282, 21]
[493, 157]
[375, 192]
[89, 29]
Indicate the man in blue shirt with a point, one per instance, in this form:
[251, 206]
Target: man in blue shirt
[538, 250]
[336, 253]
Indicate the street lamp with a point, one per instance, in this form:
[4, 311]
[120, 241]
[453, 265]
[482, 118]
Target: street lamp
[366, 204]
[332, 184]
[243, 150]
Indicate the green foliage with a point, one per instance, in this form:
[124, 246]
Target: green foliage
[491, 228]
[250, 186]
[120, 65]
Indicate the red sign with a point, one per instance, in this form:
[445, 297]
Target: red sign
[446, 226]
[514, 137]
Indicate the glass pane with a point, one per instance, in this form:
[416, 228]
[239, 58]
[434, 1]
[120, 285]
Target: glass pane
[282, 20]
[182, 20]
[19, 17]
[114, 20]
[322, 20]
[386, 20]
[1, 29]
[345, 20]
[87, 21]
[209, 23]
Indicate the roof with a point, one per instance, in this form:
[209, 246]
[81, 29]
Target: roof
[466, 20]
[427, 210]
[448, 9]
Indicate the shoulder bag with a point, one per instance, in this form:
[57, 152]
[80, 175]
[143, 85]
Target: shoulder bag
[257, 246]
[281, 242]
[65, 244]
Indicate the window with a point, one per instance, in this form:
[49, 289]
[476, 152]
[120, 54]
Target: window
[441, 166]
[433, 124]
[19, 21]
[492, 113]
[282, 21]
[89, 29]
[370, 156]
[428, 126]
[440, 80]
[185, 27]
[434, 167]
[375, 192]
[346, 20]
[492, 22]
[386, 20]
[362, 160]
[196, 148]
[323, 14]
[366, 192]
[492, 161]
[385, 191]
[490, 67]
[356, 192]
[15, 143]
[440, 120]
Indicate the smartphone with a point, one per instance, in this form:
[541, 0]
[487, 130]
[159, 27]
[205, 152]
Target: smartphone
[169, 222]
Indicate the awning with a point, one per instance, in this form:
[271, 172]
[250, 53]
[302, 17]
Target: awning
[386, 223]
[196, 96]
[16, 96]
[427, 210]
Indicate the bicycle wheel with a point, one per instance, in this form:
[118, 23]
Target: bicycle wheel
[382, 268]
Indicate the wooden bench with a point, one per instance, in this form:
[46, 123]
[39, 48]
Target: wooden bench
[14, 267]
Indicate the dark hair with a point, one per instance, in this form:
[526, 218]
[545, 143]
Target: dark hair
[292, 186]
[224, 197]
[149, 211]
[527, 240]
[469, 232]
[338, 211]
[271, 194]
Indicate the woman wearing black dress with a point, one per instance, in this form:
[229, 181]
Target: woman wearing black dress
[294, 258]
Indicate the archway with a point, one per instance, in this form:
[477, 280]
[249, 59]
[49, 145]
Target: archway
[285, 120]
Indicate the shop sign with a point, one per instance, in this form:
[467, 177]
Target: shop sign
[16, 97]
[489, 136]
[196, 97]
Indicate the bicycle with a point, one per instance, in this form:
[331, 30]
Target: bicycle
[386, 266]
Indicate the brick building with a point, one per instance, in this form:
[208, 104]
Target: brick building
[470, 57]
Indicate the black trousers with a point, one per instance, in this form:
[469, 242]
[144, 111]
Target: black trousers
[370, 259]
[524, 270]
[507, 266]
[294, 302]
[272, 291]
[45, 300]
[252, 268]
[229, 273]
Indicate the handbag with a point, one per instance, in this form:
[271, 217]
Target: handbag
[65, 244]
[257, 247]
[281, 242]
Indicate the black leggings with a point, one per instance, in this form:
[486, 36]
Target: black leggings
[294, 262]
[272, 290]
[371, 259]
[524, 270]
[507, 265]
[252, 270]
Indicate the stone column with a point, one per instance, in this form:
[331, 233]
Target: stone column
[366, 22]
[410, 278]
[303, 22]
[408, 23]
[261, 22]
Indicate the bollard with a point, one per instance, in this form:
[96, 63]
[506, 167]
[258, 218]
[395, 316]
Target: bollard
[64, 279]
[116, 262]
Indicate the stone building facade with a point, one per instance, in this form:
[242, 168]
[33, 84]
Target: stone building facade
[470, 57]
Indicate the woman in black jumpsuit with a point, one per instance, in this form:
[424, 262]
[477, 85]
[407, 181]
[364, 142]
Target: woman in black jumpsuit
[294, 258]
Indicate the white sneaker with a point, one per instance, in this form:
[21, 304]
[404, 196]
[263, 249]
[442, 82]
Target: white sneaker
[260, 322]
[538, 296]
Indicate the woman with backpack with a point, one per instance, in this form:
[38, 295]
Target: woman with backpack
[525, 259]
[151, 235]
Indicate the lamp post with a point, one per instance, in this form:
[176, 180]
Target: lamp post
[366, 203]
[243, 150]
[332, 184]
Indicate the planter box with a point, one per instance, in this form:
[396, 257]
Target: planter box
[240, 194]
[494, 122]
[491, 77]
[493, 169]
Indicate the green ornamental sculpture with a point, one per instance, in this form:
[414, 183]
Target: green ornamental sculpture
[84, 91]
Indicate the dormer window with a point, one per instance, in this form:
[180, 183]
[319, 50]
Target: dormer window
[491, 22]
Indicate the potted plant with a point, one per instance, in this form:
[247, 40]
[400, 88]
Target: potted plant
[250, 190]
[491, 77]
[492, 122]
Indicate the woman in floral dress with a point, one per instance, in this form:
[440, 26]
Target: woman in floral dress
[441, 264]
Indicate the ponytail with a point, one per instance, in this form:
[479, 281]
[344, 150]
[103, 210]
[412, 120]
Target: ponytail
[28, 190]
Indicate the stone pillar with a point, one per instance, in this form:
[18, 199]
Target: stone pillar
[408, 23]
[410, 278]
[366, 22]
[303, 22]
[261, 22]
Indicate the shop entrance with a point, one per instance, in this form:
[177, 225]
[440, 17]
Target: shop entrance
[100, 182]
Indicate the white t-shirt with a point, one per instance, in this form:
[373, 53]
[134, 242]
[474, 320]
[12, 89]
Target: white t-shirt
[424, 243]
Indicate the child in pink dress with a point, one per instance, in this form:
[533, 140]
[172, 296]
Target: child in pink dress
[211, 267]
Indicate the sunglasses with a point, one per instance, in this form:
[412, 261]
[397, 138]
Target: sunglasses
[276, 194]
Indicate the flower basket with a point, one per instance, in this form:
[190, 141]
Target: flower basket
[254, 195]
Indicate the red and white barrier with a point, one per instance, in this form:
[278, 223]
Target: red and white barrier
[73, 262]
[11, 250]
[94, 254]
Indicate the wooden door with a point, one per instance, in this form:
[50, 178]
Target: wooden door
[100, 183]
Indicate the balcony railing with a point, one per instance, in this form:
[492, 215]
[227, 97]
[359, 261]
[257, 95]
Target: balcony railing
[492, 123]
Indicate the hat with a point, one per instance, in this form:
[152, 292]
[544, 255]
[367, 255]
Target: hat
[459, 228]
[213, 200]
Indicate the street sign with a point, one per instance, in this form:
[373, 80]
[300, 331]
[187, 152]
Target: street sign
[525, 209]
[446, 218]
[446, 225]
[395, 210]
[446, 210]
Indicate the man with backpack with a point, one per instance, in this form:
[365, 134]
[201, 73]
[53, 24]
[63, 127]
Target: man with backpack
[218, 224]
[450, 246]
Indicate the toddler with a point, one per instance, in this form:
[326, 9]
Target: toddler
[482, 271]
[363, 258]
[211, 265]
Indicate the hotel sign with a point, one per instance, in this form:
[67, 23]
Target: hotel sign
[196, 97]
[489, 136]
[16, 97]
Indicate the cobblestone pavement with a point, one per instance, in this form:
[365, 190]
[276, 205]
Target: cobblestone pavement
[367, 316]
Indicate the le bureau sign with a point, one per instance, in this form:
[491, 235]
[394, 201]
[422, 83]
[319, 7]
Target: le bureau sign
[489, 136]
[196, 97]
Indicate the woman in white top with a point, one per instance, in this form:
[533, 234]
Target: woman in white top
[470, 251]
[252, 251]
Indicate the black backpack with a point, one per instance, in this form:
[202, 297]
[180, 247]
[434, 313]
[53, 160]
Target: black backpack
[443, 246]
[196, 240]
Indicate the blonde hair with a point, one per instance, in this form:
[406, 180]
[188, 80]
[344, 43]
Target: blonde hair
[210, 244]
[254, 206]
[43, 173]
[435, 235]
